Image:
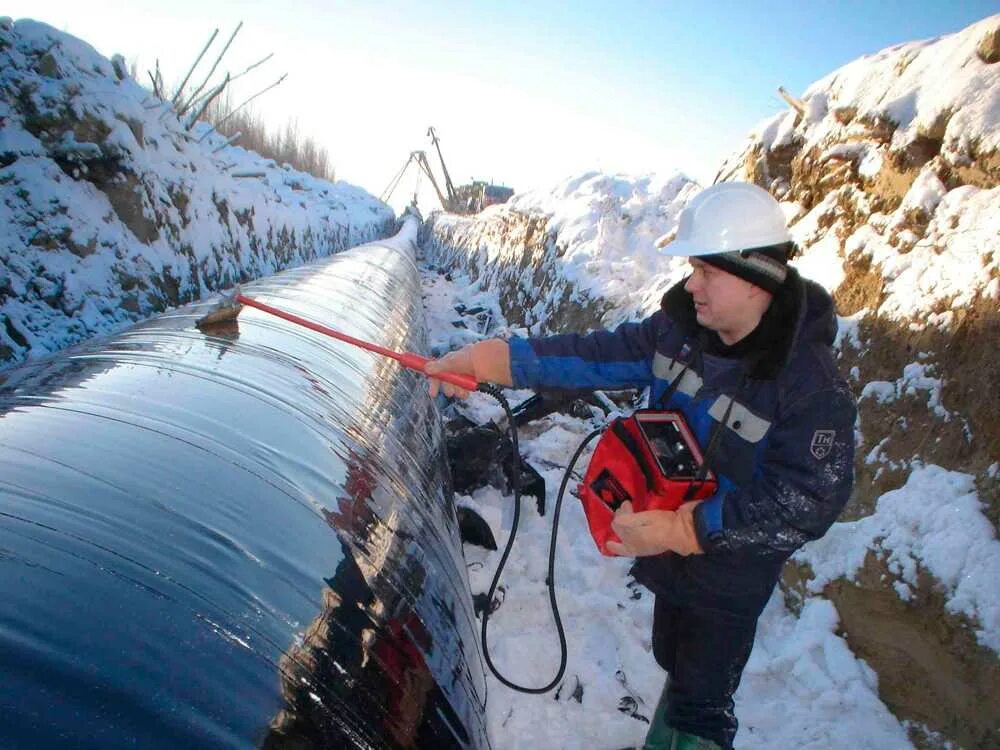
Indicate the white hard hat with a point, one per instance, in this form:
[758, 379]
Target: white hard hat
[727, 217]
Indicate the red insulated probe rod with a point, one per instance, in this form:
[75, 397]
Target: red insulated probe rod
[406, 359]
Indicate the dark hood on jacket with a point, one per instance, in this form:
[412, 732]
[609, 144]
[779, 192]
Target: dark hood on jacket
[800, 313]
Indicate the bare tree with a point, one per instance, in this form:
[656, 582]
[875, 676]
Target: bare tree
[194, 95]
[208, 100]
[247, 101]
[214, 103]
[180, 89]
[256, 64]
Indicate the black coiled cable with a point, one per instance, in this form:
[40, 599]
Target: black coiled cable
[550, 579]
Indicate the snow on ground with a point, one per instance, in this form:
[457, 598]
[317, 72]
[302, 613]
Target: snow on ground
[802, 680]
[934, 522]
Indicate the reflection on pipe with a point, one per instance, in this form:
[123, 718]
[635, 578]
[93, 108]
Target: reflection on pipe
[239, 539]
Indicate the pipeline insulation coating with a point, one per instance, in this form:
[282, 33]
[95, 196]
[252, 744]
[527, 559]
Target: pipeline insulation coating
[237, 539]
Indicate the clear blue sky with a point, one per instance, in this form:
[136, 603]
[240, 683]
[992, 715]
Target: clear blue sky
[525, 93]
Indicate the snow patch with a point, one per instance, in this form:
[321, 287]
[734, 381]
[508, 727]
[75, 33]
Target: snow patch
[934, 522]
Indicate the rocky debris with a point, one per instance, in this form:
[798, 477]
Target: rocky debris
[989, 46]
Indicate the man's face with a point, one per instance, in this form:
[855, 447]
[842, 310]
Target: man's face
[722, 302]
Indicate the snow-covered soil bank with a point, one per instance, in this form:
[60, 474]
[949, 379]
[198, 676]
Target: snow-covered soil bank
[113, 210]
[802, 681]
[577, 257]
[887, 169]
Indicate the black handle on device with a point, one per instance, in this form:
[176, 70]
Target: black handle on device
[633, 447]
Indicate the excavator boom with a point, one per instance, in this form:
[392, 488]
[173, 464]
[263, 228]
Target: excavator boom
[452, 196]
[467, 199]
[421, 158]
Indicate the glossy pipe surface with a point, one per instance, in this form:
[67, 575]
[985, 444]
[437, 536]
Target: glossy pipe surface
[238, 539]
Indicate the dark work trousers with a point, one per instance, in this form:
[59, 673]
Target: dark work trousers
[704, 651]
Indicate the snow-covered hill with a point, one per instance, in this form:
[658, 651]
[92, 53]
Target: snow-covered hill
[112, 210]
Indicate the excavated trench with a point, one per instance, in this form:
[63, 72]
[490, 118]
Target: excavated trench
[240, 537]
[261, 512]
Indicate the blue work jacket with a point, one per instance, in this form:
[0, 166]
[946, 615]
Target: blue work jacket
[784, 459]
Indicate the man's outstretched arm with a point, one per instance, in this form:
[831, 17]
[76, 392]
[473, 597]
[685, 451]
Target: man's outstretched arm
[603, 359]
[486, 361]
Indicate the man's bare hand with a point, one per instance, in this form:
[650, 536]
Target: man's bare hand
[486, 361]
[653, 532]
[459, 362]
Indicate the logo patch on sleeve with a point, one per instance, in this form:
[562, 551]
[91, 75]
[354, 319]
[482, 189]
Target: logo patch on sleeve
[822, 443]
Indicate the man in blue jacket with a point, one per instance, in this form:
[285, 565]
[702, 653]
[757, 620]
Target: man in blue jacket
[743, 348]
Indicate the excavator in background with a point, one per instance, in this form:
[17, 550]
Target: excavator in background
[466, 199]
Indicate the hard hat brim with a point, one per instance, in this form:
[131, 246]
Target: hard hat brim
[685, 249]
